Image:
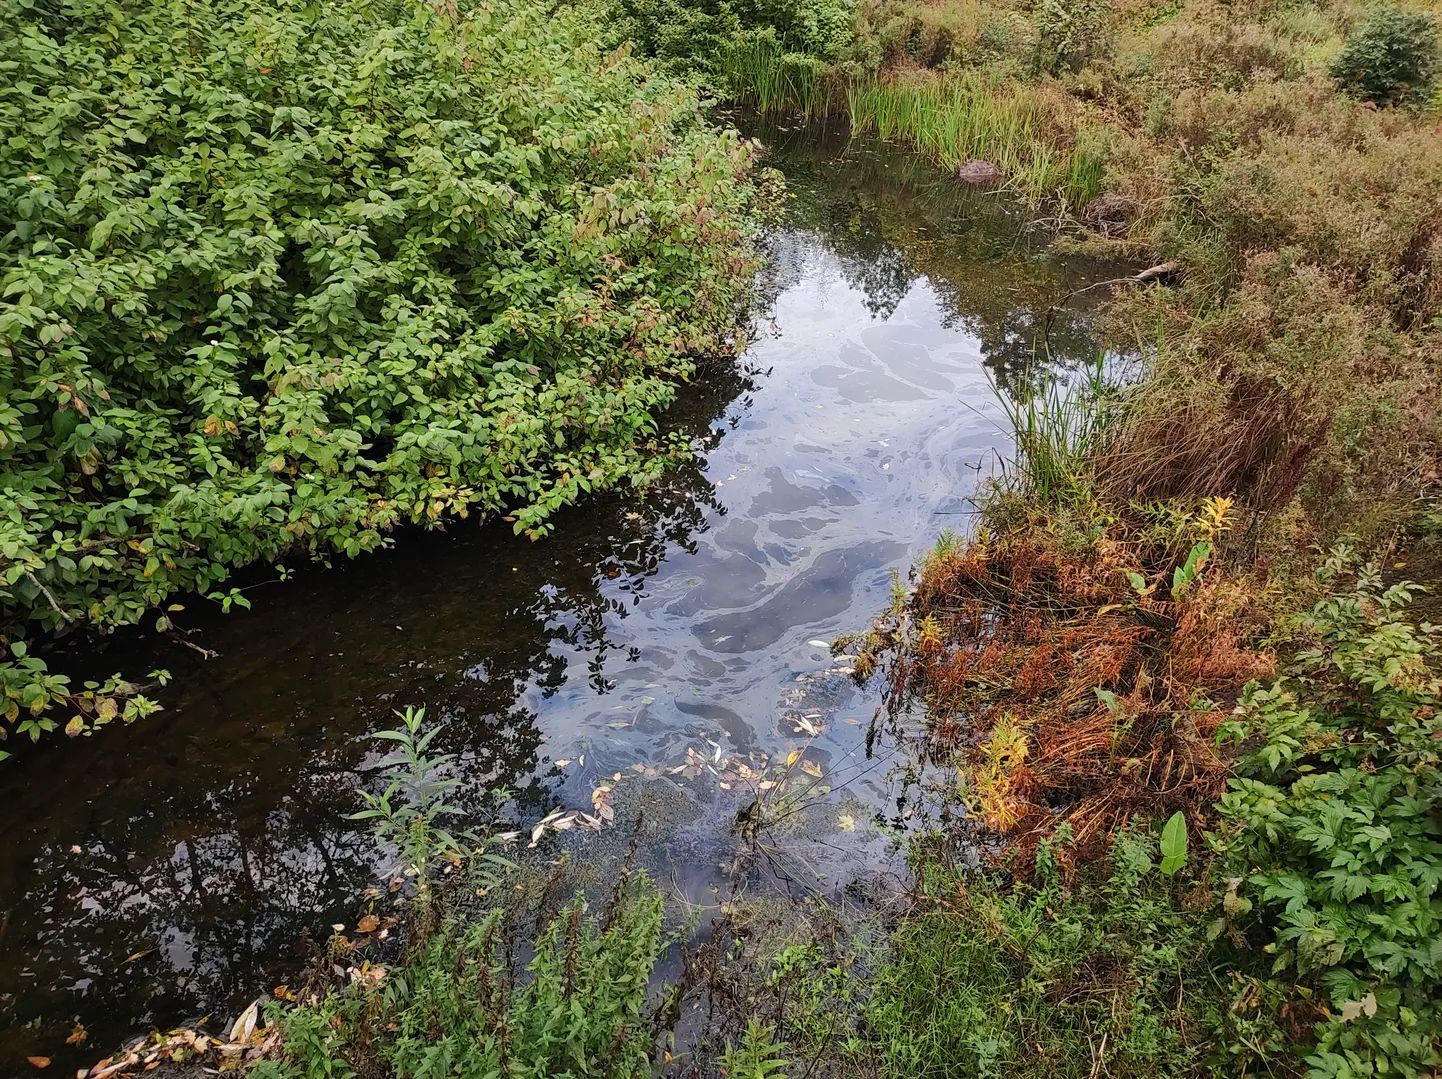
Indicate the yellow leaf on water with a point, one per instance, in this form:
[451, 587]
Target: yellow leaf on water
[368, 924]
[846, 822]
[39, 1062]
[811, 768]
[793, 757]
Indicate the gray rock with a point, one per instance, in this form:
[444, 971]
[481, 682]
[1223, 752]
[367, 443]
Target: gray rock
[979, 172]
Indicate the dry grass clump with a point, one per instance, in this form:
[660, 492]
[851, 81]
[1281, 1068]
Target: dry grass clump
[1070, 683]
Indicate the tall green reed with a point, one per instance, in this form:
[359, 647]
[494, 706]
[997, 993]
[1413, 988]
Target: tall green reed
[954, 118]
[1057, 422]
[759, 73]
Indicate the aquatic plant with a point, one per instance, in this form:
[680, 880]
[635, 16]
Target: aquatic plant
[1058, 421]
[957, 117]
[409, 812]
[1073, 678]
[757, 72]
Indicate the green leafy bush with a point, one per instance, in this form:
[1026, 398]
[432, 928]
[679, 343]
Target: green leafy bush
[283, 275]
[700, 34]
[1392, 59]
[1337, 830]
[1070, 34]
[459, 1008]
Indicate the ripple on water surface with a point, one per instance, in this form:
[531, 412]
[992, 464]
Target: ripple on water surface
[159, 872]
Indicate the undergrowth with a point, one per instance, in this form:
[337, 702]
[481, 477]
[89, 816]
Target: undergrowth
[1102, 974]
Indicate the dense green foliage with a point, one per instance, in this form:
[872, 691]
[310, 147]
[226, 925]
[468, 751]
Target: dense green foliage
[1336, 834]
[284, 275]
[459, 1009]
[1043, 979]
[701, 34]
[1392, 59]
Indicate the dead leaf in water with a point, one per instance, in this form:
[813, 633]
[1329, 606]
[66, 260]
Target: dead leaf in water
[244, 1025]
[77, 1035]
[846, 822]
[39, 1062]
[811, 768]
[368, 924]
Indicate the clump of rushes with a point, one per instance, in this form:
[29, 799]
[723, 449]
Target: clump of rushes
[1058, 422]
[757, 72]
[959, 117]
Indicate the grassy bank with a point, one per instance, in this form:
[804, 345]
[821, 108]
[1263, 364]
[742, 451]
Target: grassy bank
[1283, 159]
[1177, 617]
[278, 279]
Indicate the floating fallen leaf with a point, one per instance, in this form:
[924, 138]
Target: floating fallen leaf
[338, 926]
[138, 955]
[39, 1062]
[618, 725]
[818, 644]
[368, 924]
[811, 768]
[244, 1025]
[78, 1034]
[793, 757]
[846, 822]
[562, 763]
[75, 848]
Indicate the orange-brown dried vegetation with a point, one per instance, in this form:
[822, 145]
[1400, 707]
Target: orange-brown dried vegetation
[1064, 692]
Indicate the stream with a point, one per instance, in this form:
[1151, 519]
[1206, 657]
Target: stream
[157, 873]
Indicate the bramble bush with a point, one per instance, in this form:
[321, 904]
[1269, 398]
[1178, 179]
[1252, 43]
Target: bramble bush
[279, 275]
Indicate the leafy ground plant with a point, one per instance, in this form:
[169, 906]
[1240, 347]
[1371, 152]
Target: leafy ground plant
[1334, 830]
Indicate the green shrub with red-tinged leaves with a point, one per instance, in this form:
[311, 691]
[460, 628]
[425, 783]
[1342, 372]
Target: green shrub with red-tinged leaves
[281, 276]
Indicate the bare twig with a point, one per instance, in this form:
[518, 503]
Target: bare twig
[46, 593]
[206, 652]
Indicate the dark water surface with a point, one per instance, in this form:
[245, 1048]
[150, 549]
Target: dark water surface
[159, 872]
